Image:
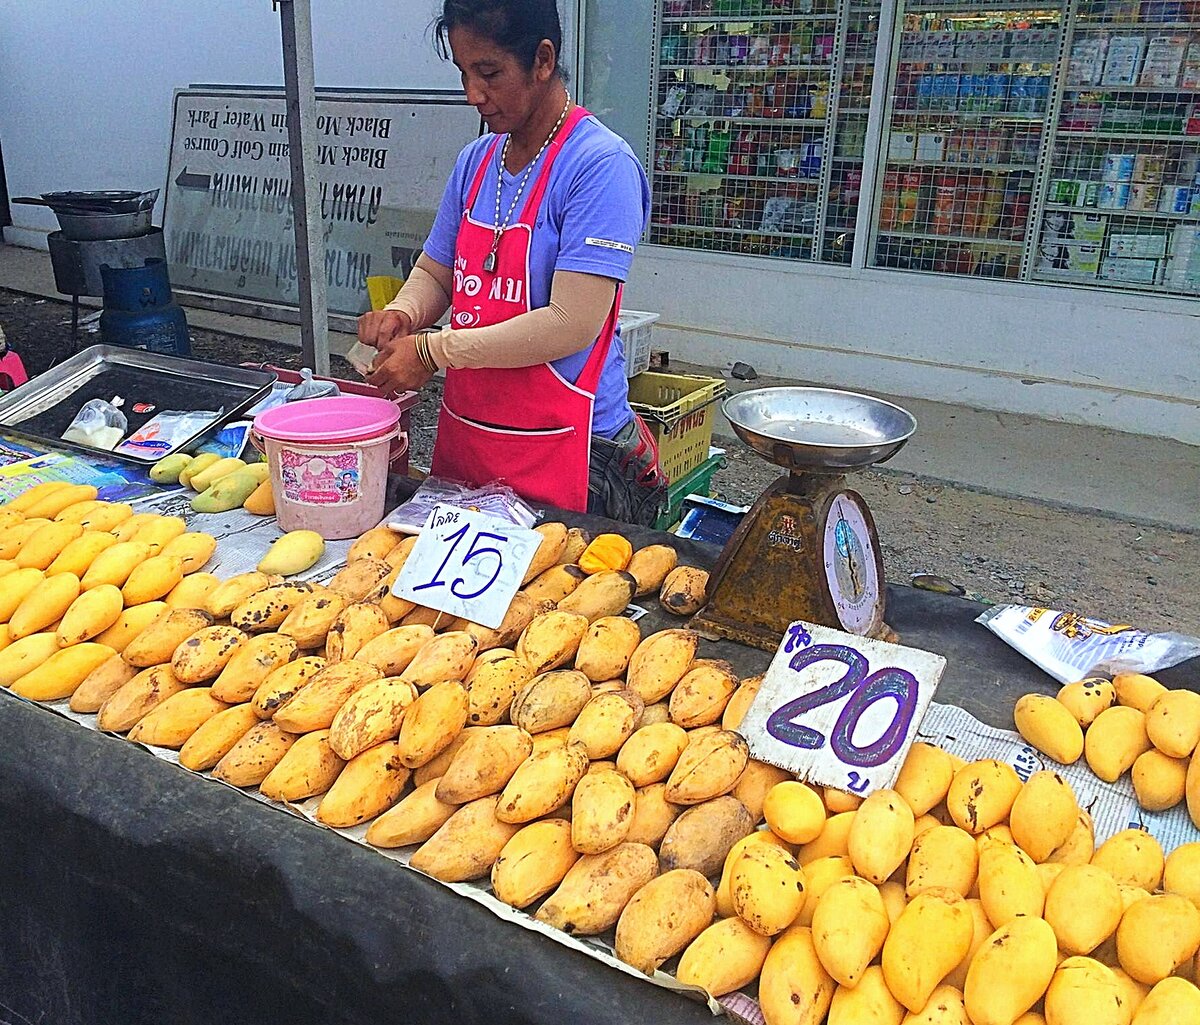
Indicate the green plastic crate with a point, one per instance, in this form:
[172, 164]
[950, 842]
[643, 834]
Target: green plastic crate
[698, 482]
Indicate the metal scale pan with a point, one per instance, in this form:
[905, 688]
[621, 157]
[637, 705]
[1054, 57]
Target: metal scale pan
[807, 550]
[819, 430]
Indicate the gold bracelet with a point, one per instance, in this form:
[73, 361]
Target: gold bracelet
[421, 342]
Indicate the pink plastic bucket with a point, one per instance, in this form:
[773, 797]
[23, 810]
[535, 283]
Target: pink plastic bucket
[329, 462]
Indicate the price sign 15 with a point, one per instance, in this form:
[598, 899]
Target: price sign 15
[467, 564]
[841, 710]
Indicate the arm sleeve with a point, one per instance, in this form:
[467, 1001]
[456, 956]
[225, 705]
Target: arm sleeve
[425, 295]
[579, 305]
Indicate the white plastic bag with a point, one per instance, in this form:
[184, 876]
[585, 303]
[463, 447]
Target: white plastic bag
[1070, 647]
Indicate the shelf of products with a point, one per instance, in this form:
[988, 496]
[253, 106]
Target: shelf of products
[752, 99]
[969, 99]
[1122, 202]
[1055, 142]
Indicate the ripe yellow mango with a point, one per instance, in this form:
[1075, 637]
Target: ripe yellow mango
[756, 781]
[466, 845]
[943, 857]
[1172, 722]
[849, 926]
[794, 988]
[766, 885]
[1080, 845]
[597, 888]
[172, 722]
[833, 839]
[1133, 858]
[1157, 935]
[653, 815]
[925, 777]
[414, 820]
[881, 836]
[651, 753]
[1086, 699]
[1181, 873]
[982, 794]
[945, 1007]
[216, 738]
[794, 811]
[309, 767]
[1085, 992]
[1170, 1002]
[45, 603]
[1159, 781]
[740, 703]
[1010, 972]
[870, 1000]
[431, 722]
[370, 783]
[981, 929]
[925, 943]
[1134, 690]
[726, 956]
[1044, 814]
[819, 875]
[708, 767]
[542, 783]
[601, 811]
[1083, 907]
[702, 837]
[1009, 885]
[663, 917]
[1050, 727]
[62, 672]
[533, 862]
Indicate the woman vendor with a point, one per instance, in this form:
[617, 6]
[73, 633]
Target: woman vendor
[532, 242]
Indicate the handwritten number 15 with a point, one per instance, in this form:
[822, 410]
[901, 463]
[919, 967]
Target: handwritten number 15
[475, 551]
[863, 690]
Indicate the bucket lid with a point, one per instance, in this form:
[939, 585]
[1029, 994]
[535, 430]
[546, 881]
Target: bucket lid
[333, 419]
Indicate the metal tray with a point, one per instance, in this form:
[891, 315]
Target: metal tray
[45, 407]
[819, 430]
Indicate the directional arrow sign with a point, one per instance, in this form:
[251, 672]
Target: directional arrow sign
[188, 180]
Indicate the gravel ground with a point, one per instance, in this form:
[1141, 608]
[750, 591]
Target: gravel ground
[999, 549]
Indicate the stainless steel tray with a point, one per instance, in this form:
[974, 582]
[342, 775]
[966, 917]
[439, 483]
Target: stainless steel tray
[45, 406]
[819, 430]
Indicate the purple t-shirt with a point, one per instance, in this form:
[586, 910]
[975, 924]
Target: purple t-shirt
[596, 206]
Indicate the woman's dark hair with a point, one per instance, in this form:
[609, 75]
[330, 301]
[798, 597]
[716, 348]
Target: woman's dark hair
[518, 26]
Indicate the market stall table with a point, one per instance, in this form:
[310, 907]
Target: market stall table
[135, 891]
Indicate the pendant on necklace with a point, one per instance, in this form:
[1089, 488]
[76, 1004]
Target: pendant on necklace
[489, 262]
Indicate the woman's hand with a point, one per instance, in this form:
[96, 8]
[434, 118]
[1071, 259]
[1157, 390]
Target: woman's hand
[380, 327]
[397, 368]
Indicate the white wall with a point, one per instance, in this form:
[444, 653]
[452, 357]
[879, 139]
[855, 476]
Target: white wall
[1127, 362]
[85, 88]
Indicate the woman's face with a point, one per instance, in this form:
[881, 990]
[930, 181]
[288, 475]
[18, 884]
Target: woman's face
[496, 83]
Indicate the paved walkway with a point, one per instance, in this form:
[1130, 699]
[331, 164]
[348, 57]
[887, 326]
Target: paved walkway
[1126, 475]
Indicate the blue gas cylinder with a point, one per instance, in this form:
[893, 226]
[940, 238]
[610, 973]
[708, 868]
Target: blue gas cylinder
[139, 310]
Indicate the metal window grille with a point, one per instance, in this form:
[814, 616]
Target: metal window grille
[758, 124]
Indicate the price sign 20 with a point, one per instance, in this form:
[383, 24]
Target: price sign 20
[826, 713]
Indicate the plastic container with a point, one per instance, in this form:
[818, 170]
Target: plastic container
[635, 336]
[679, 410]
[329, 462]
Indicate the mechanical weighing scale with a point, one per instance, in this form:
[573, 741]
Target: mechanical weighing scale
[808, 548]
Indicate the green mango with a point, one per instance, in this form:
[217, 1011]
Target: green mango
[230, 492]
[167, 471]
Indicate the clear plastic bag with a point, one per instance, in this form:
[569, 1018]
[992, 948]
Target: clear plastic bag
[98, 424]
[1070, 647]
[310, 388]
[493, 499]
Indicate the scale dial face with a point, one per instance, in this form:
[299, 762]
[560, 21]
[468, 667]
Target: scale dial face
[851, 570]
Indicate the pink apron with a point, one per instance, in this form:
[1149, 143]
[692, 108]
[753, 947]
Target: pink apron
[526, 426]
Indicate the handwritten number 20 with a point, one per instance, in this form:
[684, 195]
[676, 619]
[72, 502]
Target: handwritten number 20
[474, 552]
[864, 690]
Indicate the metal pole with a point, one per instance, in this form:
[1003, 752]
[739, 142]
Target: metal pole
[300, 86]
